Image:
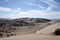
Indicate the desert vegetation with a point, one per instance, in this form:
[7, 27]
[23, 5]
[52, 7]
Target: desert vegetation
[9, 27]
[57, 31]
[6, 30]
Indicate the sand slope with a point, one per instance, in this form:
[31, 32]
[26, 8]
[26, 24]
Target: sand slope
[49, 29]
[37, 36]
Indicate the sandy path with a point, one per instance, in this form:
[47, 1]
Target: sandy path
[32, 37]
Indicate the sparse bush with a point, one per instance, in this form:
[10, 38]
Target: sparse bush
[1, 34]
[8, 35]
[12, 34]
[57, 32]
[2, 24]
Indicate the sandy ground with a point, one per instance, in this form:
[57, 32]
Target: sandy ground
[32, 37]
[38, 35]
[50, 29]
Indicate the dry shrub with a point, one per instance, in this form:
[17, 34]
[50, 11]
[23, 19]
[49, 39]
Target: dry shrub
[57, 32]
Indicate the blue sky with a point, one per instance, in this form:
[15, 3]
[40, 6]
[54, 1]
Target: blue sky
[30, 8]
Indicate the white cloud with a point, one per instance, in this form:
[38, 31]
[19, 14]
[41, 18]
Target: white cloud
[29, 13]
[32, 4]
[33, 14]
[17, 10]
[38, 14]
[39, 6]
[5, 9]
[51, 3]
[49, 8]
[18, 13]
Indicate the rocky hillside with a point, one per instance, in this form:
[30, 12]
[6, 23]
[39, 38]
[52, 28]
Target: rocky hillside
[9, 27]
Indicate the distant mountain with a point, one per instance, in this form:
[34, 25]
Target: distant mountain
[23, 21]
[35, 20]
[28, 21]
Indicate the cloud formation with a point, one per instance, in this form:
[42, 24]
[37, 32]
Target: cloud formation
[5, 9]
[51, 3]
[33, 14]
[19, 13]
[32, 4]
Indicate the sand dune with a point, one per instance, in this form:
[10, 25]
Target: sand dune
[50, 29]
[40, 35]
[30, 29]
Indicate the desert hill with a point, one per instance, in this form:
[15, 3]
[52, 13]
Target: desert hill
[43, 34]
[22, 26]
[23, 21]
